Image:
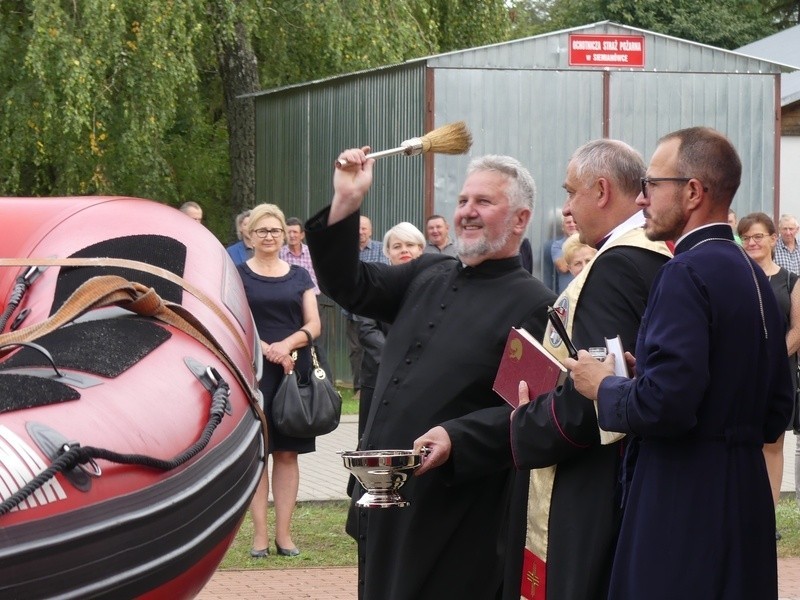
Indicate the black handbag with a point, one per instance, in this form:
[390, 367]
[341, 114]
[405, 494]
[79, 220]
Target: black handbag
[306, 406]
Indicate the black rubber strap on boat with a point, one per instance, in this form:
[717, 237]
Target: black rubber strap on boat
[21, 285]
[74, 455]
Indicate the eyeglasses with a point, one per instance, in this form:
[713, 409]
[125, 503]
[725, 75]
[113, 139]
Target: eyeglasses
[756, 237]
[648, 180]
[263, 232]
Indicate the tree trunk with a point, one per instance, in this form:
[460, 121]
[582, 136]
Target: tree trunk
[238, 68]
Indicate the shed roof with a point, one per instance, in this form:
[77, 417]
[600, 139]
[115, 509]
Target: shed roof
[783, 47]
[550, 50]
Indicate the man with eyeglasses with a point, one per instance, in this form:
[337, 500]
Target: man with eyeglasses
[574, 486]
[787, 251]
[710, 389]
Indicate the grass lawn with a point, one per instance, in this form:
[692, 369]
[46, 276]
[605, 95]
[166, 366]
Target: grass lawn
[318, 530]
[349, 403]
[788, 517]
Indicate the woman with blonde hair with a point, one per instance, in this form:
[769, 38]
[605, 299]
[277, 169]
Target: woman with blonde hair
[284, 306]
[401, 242]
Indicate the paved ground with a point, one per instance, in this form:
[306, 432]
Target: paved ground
[322, 477]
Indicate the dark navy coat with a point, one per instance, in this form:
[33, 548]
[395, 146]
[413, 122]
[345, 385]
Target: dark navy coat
[711, 389]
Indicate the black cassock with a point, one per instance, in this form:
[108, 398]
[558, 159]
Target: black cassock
[585, 504]
[449, 327]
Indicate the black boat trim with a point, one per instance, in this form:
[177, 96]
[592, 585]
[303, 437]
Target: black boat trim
[127, 546]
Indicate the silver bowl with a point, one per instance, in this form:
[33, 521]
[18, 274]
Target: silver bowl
[382, 473]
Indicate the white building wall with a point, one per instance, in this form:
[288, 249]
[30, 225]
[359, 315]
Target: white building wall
[790, 175]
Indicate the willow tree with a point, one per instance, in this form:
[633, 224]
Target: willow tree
[89, 91]
[149, 97]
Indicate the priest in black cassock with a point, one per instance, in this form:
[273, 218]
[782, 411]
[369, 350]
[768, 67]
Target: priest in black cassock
[450, 318]
[710, 389]
[574, 507]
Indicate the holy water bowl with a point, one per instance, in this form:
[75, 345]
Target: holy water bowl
[382, 473]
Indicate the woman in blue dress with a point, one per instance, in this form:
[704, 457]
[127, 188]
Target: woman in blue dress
[284, 306]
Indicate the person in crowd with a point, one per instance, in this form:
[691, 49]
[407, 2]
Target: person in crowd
[284, 306]
[295, 252]
[759, 237]
[369, 251]
[401, 244]
[577, 254]
[526, 255]
[733, 222]
[787, 251]
[711, 388]
[243, 249]
[450, 319]
[439, 241]
[192, 210]
[562, 274]
[787, 255]
[574, 511]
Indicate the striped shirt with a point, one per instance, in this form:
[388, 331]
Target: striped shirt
[301, 260]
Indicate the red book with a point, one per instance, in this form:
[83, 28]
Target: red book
[534, 576]
[525, 359]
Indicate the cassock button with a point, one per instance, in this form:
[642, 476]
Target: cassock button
[395, 380]
[443, 306]
[455, 288]
[430, 324]
[386, 403]
[419, 344]
[408, 361]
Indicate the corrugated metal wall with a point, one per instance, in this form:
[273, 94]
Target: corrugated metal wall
[520, 98]
[539, 109]
[538, 117]
[741, 106]
[301, 130]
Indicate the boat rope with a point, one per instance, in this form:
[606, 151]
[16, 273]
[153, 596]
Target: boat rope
[21, 285]
[73, 455]
[113, 290]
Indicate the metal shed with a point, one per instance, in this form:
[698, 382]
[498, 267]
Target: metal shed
[537, 99]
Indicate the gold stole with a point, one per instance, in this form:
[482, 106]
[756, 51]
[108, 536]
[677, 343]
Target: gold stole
[540, 490]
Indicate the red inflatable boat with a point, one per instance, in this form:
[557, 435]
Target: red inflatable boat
[130, 420]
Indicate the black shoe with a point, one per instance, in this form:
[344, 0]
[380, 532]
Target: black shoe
[259, 553]
[286, 551]
[778, 535]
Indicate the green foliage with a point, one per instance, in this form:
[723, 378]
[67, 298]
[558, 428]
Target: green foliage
[125, 96]
[96, 86]
[301, 40]
[723, 23]
[785, 13]
[468, 23]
